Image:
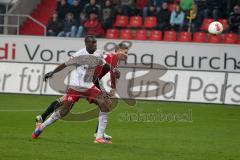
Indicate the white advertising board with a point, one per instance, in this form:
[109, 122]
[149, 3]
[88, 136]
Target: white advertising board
[184, 56]
[185, 86]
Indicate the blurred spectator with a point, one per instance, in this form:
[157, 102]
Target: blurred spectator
[68, 26]
[152, 7]
[78, 28]
[92, 7]
[202, 9]
[193, 20]
[70, 2]
[62, 9]
[53, 26]
[140, 4]
[116, 2]
[93, 26]
[234, 20]
[128, 7]
[177, 18]
[231, 4]
[186, 5]
[217, 8]
[108, 14]
[76, 9]
[81, 2]
[163, 17]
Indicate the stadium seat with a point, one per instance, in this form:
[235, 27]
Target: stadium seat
[135, 22]
[141, 34]
[121, 21]
[112, 34]
[214, 38]
[150, 22]
[206, 23]
[199, 37]
[170, 36]
[126, 34]
[230, 38]
[224, 23]
[185, 37]
[155, 35]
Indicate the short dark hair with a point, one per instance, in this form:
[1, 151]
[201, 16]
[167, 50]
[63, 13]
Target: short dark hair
[90, 38]
[121, 46]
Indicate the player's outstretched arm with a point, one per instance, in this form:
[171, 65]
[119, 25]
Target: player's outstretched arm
[50, 74]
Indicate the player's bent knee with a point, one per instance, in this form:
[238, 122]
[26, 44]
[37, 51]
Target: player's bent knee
[66, 107]
[105, 106]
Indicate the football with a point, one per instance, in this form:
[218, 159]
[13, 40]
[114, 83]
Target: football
[215, 27]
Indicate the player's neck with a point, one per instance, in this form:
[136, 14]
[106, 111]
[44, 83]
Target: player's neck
[89, 51]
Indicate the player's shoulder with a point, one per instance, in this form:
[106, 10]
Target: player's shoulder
[82, 51]
[109, 55]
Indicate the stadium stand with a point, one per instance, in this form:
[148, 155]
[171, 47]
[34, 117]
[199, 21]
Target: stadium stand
[170, 36]
[230, 38]
[42, 13]
[199, 37]
[141, 34]
[135, 22]
[185, 37]
[112, 34]
[135, 25]
[126, 34]
[214, 38]
[155, 35]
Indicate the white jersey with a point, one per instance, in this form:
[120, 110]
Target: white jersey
[85, 63]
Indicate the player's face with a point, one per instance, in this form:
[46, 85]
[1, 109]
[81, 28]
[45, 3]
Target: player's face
[91, 46]
[122, 54]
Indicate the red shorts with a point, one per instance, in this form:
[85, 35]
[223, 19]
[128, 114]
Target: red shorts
[90, 94]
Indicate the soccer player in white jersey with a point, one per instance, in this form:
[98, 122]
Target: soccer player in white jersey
[81, 83]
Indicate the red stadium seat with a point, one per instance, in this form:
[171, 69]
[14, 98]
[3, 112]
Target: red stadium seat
[121, 21]
[206, 23]
[155, 35]
[170, 36]
[141, 34]
[112, 34]
[230, 38]
[185, 37]
[238, 39]
[126, 34]
[199, 37]
[224, 23]
[214, 38]
[135, 22]
[150, 22]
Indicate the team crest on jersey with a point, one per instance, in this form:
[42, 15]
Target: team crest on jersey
[70, 98]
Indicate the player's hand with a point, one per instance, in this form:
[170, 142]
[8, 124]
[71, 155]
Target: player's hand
[117, 73]
[112, 92]
[47, 75]
[105, 94]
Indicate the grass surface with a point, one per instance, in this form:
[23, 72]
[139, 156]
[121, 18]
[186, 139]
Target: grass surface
[179, 131]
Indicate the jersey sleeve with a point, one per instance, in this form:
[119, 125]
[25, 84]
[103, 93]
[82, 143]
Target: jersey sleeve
[72, 61]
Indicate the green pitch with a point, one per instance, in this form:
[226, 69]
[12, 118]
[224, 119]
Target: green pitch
[148, 131]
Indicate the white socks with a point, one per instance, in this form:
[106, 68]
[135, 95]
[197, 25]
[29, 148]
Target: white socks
[102, 124]
[53, 118]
